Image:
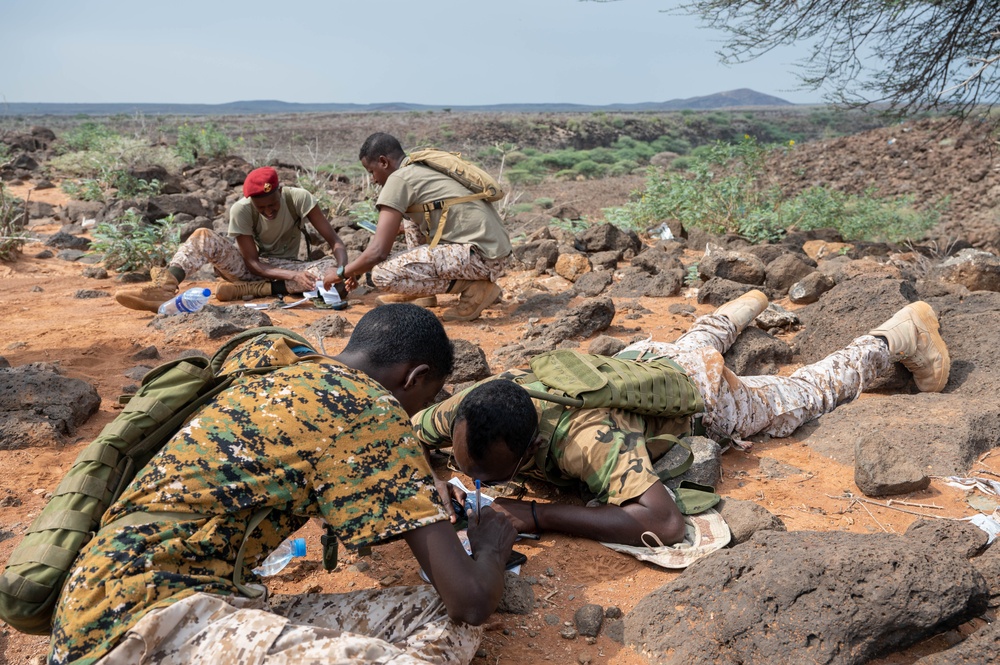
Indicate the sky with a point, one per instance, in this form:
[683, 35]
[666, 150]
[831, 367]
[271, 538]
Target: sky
[440, 52]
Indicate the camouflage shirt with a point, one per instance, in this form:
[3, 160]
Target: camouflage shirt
[316, 439]
[605, 452]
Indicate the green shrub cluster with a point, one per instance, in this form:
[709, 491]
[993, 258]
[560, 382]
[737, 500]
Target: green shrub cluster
[624, 156]
[12, 234]
[726, 190]
[128, 243]
[203, 141]
[121, 181]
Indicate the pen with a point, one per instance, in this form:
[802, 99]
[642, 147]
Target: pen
[479, 497]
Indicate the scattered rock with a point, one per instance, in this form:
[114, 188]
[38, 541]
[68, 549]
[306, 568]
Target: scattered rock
[65, 241]
[706, 469]
[756, 353]
[213, 321]
[806, 596]
[95, 272]
[470, 362]
[518, 596]
[91, 293]
[605, 345]
[746, 518]
[738, 267]
[572, 266]
[38, 405]
[588, 620]
[810, 288]
[148, 353]
[333, 325]
[882, 467]
[972, 268]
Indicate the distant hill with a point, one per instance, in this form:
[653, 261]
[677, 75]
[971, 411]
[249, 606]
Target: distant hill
[733, 98]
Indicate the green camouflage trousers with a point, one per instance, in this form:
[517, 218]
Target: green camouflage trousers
[398, 625]
[737, 407]
[208, 247]
[422, 271]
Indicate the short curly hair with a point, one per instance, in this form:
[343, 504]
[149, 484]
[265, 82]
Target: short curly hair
[498, 410]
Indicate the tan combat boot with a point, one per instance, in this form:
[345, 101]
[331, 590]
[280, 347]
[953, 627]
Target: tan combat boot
[394, 298]
[914, 340]
[476, 296]
[238, 290]
[148, 298]
[744, 309]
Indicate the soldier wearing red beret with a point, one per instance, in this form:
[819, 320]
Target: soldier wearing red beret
[267, 225]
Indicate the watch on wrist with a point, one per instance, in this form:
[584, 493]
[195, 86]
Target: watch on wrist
[340, 272]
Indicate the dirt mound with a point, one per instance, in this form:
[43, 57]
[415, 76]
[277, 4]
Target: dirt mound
[937, 162]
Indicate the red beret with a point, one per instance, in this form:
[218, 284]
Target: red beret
[260, 181]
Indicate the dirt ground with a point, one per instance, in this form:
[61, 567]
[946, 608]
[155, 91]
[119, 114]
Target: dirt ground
[93, 339]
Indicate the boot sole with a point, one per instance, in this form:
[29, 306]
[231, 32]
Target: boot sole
[924, 313]
[137, 303]
[491, 298]
[427, 301]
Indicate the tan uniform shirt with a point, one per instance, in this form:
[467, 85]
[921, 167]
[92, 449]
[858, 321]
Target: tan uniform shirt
[472, 223]
[279, 237]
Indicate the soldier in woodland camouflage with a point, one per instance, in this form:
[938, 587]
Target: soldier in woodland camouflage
[496, 430]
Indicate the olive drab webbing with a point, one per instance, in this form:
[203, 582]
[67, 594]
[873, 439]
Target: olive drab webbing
[170, 394]
[483, 186]
[657, 387]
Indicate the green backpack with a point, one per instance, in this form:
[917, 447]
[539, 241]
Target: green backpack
[657, 387]
[169, 396]
[482, 185]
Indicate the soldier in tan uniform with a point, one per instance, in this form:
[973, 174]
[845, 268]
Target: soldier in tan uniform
[327, 438]
[494, 426]
[267, 226]
[473, 250]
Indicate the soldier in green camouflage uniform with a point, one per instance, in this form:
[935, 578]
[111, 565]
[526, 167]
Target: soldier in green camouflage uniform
[327, 438]
[611, 452]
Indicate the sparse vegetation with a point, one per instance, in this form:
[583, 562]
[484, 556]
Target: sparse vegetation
[726, 189]
[204, 141]
[128, 243]
[12, 234]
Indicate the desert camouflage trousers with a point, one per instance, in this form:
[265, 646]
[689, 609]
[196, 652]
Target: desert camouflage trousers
[398, 625]
[422, 271]
[208, 247]
[737, 407]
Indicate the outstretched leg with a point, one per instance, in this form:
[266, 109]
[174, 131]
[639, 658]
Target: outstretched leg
[738, 407]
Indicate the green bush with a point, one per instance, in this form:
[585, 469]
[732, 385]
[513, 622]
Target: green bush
[201, 141]
[725, 190]
[12, 234]
[128, 243]
[87, 189]
[115, 153]
[89, 135]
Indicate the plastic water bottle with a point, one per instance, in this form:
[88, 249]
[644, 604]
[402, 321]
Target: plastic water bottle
[190, 301]
[279, 558]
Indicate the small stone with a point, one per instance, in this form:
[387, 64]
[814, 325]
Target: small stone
[552, 619]
[149, 353]
[583, 658]
[360, 567]
[613, 612]
[36, 289]
[549, 572]
[588, 619]
[389, 580]
[568, 633]
[91, 293]
[590, 640]
[481, 653]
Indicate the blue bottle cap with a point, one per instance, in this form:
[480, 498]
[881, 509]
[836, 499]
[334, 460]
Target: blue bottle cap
[206, 292]
[299, 547]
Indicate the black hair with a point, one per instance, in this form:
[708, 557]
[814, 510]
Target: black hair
[403, 332]
[498, 410]
[381, 144]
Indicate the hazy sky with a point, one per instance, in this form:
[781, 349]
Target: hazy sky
[420, 51]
